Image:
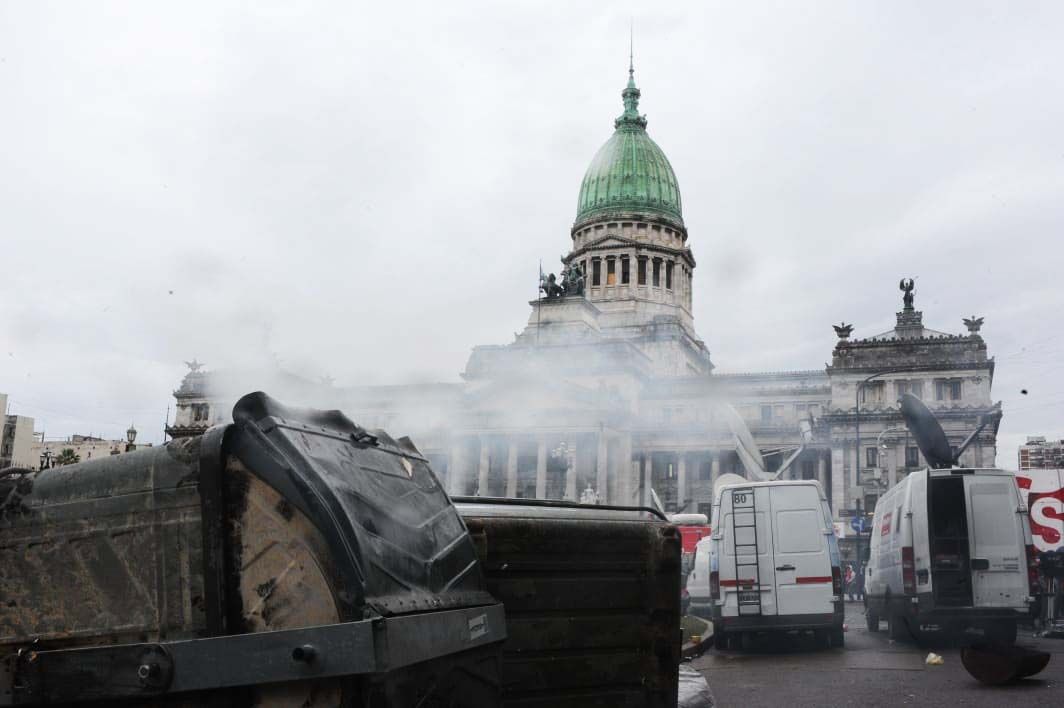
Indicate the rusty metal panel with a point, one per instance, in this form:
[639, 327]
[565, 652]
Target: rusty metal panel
[592, 605]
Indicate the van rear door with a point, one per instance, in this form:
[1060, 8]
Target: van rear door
[746, 565]
[996, 542]
[802, 563]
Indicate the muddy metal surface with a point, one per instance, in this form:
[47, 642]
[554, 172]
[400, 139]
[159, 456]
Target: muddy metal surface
[870, 671]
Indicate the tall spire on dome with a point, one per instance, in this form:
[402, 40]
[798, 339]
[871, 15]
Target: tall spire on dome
[631, 55]
[630, 118]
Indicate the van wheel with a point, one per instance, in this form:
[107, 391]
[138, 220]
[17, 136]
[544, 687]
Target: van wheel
[871, 619]
[720, 641]
[838, 637]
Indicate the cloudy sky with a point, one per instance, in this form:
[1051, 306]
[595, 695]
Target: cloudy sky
[365, 190]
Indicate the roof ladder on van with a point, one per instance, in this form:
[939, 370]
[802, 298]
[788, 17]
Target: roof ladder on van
[744, 531]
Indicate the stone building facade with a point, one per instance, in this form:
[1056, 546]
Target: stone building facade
[611, 393]
[16, 438]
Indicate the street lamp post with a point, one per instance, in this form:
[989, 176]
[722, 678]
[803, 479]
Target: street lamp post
[881, 446]
[131, 435]
[859, 514]
[857, 440]
[857, 416]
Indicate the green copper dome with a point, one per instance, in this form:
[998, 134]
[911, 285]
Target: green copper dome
[630, 173]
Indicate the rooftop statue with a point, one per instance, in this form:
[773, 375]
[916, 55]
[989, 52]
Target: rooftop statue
[906, 285]
[843, 330]
[572, 282]
[193, 366]
[572, 279]
[548, 284]
[973, 324]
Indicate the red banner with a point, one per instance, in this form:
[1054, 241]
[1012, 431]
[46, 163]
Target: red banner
[1044, 491]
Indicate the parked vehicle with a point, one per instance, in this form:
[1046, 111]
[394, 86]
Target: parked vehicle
[951, 546]
[693, 528]
[701, 603]
[771, 564]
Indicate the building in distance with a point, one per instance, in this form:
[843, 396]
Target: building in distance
[48, 453]
[1040, 454]
[16, 439]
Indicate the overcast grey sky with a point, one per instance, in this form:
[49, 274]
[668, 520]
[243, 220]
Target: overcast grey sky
[364, 190]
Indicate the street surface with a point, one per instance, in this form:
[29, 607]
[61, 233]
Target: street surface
[869, 671]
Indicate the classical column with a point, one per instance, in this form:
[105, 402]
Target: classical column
[822, 472]
[457, 470]
[511, 470]
[483, 469]
[541, 469]
[602, 479]
[714, 473]
[681, 479]
[571, 493]
[624, 482]
[892, 471]
[838, 480]
[644, 479]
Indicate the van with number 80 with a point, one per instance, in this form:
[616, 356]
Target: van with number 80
[773, 563]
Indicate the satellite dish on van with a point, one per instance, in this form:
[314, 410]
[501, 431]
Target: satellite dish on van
[745, 447]
[724, 479]
[929, 435]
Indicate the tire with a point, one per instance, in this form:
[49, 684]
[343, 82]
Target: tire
[871, 619]
[838, 637]
[720, 641]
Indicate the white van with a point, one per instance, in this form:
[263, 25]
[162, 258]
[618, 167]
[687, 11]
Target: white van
[771, 563]
[951, 548]
[698, 581]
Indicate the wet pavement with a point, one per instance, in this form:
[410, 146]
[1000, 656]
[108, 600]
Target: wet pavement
[870, 671]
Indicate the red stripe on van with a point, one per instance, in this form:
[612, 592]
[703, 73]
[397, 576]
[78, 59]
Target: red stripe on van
[812, 579]
[735, 583]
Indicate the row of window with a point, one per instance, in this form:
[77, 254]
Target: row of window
[627, 225]
[776, 411]
[912, 456]
[618, 271]
[945, 390]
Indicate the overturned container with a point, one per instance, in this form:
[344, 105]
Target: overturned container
[592, 597]
[291, 558]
